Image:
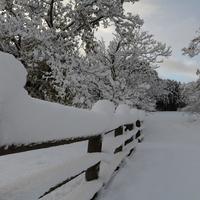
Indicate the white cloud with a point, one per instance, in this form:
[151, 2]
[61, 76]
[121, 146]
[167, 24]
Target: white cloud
[174, 23]
[145, 9]
[182, 70]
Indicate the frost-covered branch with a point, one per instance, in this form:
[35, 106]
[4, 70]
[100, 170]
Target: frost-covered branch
[194, 47]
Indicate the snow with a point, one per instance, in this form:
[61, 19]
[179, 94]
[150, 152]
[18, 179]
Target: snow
[83, 191]
[25, 120]
[110, 142]
[12, 77]
[104, 106]
[141, 115]
[125, 115]
[28, 120]
[165, 165]
[123, 109]
[29, 175]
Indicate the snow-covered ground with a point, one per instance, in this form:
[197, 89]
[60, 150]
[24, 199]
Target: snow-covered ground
[26, 176]
[166, 165]
[25, 120]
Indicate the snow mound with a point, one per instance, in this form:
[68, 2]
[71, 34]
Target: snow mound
[122, 115]
[12, 77]
[141, 115]
[123, 109]
[104, 106]
[134, 111]
[25, 120]
[134, 114]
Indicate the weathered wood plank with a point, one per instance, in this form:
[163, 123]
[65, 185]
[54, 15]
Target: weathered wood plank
[18, 148]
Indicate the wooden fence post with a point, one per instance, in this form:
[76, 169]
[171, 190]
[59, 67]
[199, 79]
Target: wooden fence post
[138, 123]
[129, 127]
[119, 131]
[94, 146]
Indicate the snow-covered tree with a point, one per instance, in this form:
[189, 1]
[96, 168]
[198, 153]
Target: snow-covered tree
[192, 90]
[124, 71]
[194, 46]
[171, 98]
[191, 93]
[47, 35]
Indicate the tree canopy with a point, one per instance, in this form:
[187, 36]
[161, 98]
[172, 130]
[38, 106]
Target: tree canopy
[55, 41]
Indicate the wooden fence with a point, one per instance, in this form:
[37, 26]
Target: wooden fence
[123, 138]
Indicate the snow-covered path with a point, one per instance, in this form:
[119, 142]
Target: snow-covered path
[166, 165]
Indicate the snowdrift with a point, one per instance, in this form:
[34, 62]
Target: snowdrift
[27, 120]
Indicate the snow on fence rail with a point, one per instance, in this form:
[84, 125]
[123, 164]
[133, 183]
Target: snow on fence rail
[29, 124]
[105, 150]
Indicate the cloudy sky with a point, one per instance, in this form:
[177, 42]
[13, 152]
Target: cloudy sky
[174, 22]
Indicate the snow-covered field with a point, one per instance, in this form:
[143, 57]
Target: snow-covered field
[166, 165]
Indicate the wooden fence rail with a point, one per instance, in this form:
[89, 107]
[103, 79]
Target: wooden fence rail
[127, 133]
